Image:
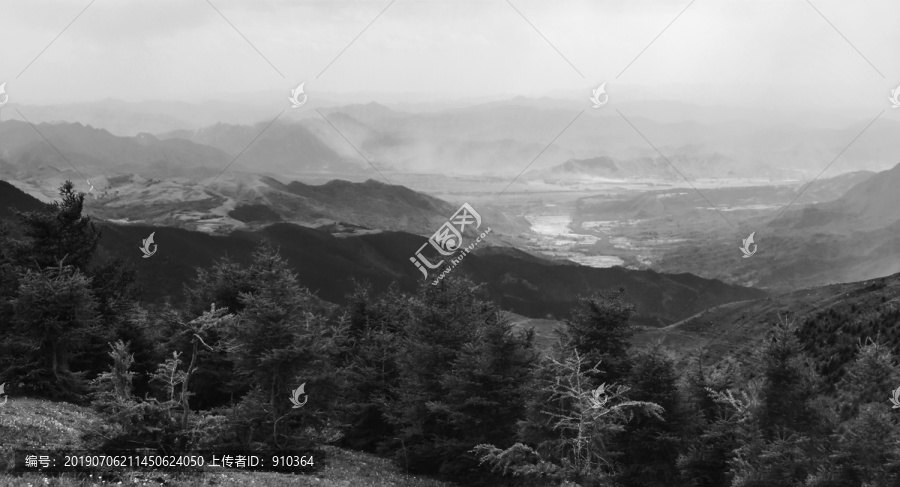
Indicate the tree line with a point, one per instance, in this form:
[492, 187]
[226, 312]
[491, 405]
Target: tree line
[439, 380]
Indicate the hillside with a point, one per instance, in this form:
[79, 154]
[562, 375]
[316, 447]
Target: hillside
[328, 264]
[248, 201]
[12, 198]
[833, 320]
[280, 147]
[853, 237]
[96, 152]
[42, 424]
[869, 205]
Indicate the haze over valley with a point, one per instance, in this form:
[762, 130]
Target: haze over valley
[441, 244]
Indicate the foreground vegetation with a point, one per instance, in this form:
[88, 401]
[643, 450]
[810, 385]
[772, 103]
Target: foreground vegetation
[42, 424]
[437, 382]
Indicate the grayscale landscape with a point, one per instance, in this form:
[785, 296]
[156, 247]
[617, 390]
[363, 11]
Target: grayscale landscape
[648, 243]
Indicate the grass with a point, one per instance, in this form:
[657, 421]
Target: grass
[27, 423]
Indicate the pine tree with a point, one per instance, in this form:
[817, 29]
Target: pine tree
[463, 377]
[444, 318]
[790, 382]
[868, 378]
[650, 443]
[222, 284]
[600, 330]
[9, 279]
[709, 439]
[114, 287]
[55, 313]
[781, 430]
[61, 233]
[276, 343]
[196, 330]
[370, 363]
[583, 451]
[868, 451]
[485, 390]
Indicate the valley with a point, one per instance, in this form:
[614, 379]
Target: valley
[625, 209]
[455, 244]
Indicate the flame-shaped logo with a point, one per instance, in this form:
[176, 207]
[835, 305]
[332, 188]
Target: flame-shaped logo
[3, 94]
[597, 93]
[895, 97]
[91, 185]
[147, 242]
[295, 396]
[895, 398]
[296, 92]
[746, 248]
[3, 392]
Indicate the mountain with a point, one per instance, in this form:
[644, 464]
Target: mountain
[96, 152]
[869, 205]
[12, 198]
[605, 167]
[832, 320]
[329, 264]
[248, 201]
[500, 136]
[853, 237]
[118, 117]
[686, 203]
[282, 147]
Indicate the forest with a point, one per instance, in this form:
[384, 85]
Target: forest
[438, 380]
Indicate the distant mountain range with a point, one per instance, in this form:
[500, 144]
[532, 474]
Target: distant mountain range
[248, 201]
[853, 237]
[279, 148]
[328, 264]
[687, 203]
[500, 137]
[496, 139]
[95, 152]
[177, 179]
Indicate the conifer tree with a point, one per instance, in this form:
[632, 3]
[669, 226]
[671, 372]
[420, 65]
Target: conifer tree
[600, 330]
[276, 343]
[709, 439]
[457, 348]
[55, 313]
[650, 443]
[370, 363]
[584, 450]
[872, 373]
[61, 233]
[790, 382]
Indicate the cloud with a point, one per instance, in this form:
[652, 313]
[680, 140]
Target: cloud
[774, 51]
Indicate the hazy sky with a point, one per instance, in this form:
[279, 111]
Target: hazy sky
[739, 52]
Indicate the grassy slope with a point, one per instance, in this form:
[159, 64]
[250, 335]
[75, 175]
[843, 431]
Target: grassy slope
[735, 327]
[33, 423]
